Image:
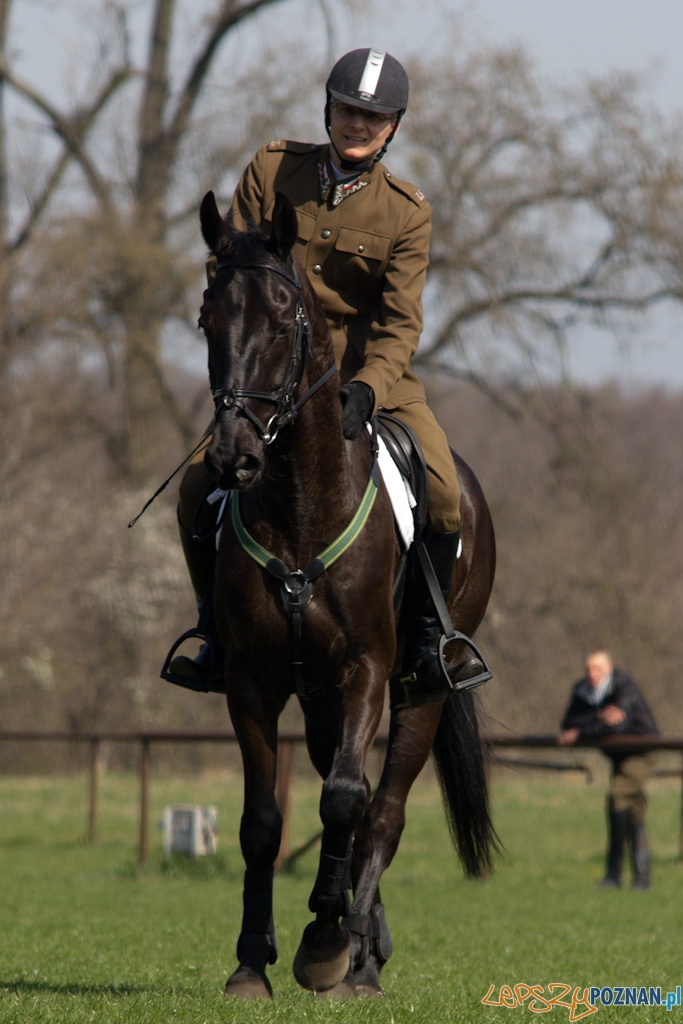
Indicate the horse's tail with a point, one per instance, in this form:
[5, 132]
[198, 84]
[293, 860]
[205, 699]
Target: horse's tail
[459, 756]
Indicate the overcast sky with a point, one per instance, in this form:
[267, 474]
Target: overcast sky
[564, 38]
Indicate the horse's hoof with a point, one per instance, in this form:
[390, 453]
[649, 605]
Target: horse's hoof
[322, 959]
[366, 981]
[365, 990]
[344, 989]
[246, 983]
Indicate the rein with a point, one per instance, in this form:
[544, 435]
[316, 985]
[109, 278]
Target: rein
[286, 409]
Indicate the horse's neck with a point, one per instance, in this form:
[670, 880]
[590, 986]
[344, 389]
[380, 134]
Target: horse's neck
[313, 478]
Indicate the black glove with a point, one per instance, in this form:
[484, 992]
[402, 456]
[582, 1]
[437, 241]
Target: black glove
[358, 401]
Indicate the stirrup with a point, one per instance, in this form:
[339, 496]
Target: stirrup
[464, 684]
[418, 694]
[189, 684]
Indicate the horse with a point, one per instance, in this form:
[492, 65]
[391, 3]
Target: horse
[327, 631]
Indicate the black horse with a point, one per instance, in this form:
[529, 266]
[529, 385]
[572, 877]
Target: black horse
[303, 601]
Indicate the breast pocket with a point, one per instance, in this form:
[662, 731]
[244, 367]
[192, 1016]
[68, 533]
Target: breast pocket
[359, 261]
[365, 244]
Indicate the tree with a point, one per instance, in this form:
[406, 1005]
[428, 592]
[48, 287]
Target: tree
[553, 210]
[550, 211]
[101, 257]
[113, 268]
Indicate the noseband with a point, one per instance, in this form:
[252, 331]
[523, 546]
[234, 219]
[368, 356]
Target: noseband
[282, 398]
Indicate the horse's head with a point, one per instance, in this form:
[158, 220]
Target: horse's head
[257, 335]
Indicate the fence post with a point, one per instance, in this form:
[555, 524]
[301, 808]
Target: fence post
[93, 787]
[144, 800]
[680, 834]
[285, 773]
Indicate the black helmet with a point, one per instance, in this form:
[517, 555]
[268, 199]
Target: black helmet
[371, 79]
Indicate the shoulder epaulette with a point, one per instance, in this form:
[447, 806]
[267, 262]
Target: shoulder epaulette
[411, 191]
[287, 146]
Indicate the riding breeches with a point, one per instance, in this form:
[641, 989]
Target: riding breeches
[444, 489]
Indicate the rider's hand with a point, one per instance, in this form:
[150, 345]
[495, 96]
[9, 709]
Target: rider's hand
[358, 401]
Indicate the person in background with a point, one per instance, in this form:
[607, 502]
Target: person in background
[607, 702]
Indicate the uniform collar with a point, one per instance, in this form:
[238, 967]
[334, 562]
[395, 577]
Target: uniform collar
[334, 190]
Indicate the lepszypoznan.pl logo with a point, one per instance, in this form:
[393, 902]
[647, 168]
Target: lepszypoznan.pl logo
[581, 1002]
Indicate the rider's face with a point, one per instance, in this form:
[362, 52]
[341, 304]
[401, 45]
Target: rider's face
[355, 135]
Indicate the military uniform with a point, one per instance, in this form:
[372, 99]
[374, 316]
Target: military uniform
[365, 248]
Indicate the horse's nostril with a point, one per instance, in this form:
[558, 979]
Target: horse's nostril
[245, 465]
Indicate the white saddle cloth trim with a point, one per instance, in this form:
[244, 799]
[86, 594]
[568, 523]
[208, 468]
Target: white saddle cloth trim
[403, 500]
[215, 496]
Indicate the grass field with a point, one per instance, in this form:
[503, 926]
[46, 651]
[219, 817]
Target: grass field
[88, 936]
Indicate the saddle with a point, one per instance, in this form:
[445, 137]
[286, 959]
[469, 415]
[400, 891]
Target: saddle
[404, 448]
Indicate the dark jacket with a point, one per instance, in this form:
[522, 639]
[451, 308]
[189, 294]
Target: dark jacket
[623, 692]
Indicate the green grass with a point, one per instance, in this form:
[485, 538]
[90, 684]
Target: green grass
[89, 936]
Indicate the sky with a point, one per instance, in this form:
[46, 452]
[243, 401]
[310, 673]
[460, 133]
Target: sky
[565, 39]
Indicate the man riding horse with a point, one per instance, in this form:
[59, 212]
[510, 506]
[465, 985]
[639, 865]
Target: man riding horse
[363, 241]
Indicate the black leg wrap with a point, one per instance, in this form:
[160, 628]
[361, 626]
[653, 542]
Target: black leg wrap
[334, 879]
[374, 935]
[257, 926]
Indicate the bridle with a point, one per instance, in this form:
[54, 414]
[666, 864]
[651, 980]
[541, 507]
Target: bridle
[286, 408]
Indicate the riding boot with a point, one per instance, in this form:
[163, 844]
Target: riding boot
[617, 826]
[425, 682]
[640, 856]
[203, 673]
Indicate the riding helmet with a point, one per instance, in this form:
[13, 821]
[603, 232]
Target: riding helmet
[371, 79]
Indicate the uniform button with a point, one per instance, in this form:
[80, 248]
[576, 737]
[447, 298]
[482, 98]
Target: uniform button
[361, 248]
[326, 233]
[317, 268]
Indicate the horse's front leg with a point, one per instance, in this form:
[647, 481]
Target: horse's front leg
[260, 832]
[322, 959]
[411, 736]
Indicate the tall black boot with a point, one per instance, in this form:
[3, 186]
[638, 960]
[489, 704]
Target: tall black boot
[424, 682]
[617, 827]
[203, 673]
[640, 855]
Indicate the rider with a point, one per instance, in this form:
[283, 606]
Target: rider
[364, 244]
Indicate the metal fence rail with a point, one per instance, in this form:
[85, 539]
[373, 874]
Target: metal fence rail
[287, 741]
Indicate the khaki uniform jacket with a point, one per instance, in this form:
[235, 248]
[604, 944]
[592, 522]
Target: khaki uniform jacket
[365, 254]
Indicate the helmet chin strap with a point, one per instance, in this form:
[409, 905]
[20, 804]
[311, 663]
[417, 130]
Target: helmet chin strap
[360, 165]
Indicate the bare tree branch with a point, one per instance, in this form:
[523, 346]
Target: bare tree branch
[72, 132]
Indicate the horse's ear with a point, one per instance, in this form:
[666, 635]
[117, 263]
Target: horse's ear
[285, 227]
[212, 224]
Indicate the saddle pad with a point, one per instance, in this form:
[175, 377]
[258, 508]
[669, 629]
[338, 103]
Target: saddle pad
[402, 498]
